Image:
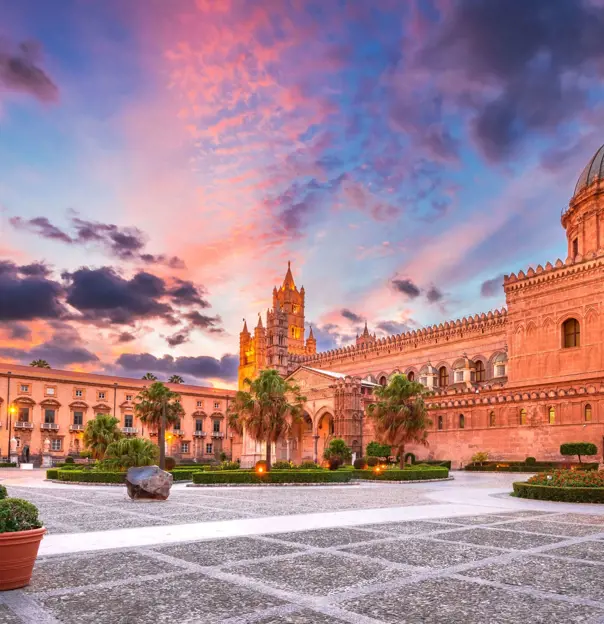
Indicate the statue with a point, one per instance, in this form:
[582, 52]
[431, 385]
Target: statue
[25, 454]
[46, 446]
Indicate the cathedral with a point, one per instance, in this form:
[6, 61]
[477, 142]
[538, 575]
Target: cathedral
[515, 382]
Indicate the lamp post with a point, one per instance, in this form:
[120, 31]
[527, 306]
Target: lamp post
[11, 450]
[162, 436]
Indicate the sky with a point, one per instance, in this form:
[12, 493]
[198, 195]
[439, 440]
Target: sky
[161, 162]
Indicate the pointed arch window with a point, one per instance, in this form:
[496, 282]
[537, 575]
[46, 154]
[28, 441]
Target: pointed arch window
[479, 371]
[552, 415]
[523, 416]
[443, 377]
[491, 419]
[571, 333]
[440, 423]
[383, 380]
[588, 414]
[462, 421]
[411, 376]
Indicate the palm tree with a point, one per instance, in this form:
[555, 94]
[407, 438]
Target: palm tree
[129, 452]
[100, 433]
[40, 364]
[158, 406]
[265, 412]
[176, 379]
[149, 377]
[399, 414]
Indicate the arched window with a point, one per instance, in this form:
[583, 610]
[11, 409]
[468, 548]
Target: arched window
[523, 416]
[552, 416]
[479, 372]
[443, 377]
[383, 380]
[588, 413]
[462, 421]
[411, 376]
[571, 333]
[440, 423]
[491, 419]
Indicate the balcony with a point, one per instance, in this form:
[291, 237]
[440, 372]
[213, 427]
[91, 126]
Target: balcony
[178, 432]
[23, 424]
[199, 434]
[76, 427]
[130, 430]
[49, 426]
[217, 434]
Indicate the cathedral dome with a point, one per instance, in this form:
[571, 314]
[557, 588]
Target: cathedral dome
[593, 172]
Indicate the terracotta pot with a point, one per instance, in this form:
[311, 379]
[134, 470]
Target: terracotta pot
[18, 552]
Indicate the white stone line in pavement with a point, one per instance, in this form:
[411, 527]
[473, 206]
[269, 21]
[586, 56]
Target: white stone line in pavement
[155, 535]
[25, 607]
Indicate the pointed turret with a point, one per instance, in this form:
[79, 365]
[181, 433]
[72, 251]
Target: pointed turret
[245, 330]
[259, 326]
[365, 337]
[288, 282]
[311, 343]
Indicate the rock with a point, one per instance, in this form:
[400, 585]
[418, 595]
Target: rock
[148, 482]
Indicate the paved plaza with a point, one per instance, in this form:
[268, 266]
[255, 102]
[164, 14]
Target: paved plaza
[460, 551]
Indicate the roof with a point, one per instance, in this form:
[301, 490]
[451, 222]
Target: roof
[333, 374]
[593, 172]
[288, 282]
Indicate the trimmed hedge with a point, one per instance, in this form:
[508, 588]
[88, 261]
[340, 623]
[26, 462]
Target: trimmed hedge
[446, 463]
[81, 476]
[274, 476]
[8, 465]
[562, 494]
[408, 474]
[527, 467]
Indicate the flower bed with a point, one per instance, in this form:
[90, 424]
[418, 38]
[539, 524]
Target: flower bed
[518, 466]
[416, 473]
[569, 486]
[273, 476]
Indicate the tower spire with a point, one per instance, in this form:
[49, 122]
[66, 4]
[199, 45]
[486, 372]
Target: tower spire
[288, 282]
[245, 330]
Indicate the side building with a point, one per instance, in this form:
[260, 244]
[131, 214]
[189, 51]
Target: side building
[50, 408]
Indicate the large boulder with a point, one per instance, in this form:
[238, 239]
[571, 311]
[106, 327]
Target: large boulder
[148, 482]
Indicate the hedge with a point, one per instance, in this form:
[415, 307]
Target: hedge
[8, 465]
[273, 476]
[52, 473]
[80, 476]
[408, 474]
[562, 494]
[527, 467]
[436, 462]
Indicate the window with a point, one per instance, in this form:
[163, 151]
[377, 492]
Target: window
[462, 421]
[199, 403]
[458, 376]
[491, 419]
[56, 444]
[575, 247]
[49, 416]
[423, 381]
[78, 418]
[24, 388]
[588, 413]
[440, 423]
[78, 393]
[128, 420]
[571, 333]
[18, 440]
[552, 416]
[177, 425]
[443, 377]
[479, 372]
[24, 414]
[216, 405]
[51, 390]
[500, 370]
[411, 376]
[184, 447]
[100, 395]
[523, 416]
[128, 397]
[216, 426]
[209, 449]
[199, 425]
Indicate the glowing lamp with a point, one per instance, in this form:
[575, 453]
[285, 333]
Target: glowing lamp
[260, 469]
[12, 409]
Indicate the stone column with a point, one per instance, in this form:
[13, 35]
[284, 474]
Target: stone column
[316, 448]
[288, 449]
[13, 455]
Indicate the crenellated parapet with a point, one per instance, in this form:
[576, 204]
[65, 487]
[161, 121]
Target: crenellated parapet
[492, 321]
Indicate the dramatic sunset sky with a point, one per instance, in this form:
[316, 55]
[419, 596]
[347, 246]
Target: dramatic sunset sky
[161, 161]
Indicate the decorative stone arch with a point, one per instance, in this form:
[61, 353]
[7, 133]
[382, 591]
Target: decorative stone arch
[478, 367]
[321, 413]
[499, 357]
[443, 365]
[23, 400]
[396, 371]
[564, 323]
[78, 405]
[199, 414]
[101, 408]
[382, 378]
[413, 372]
[50, 403]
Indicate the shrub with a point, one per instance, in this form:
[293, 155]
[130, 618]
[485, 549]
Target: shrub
[130, 453]
[229, 465]
[334, 462]
[360, 463]
[410, 456]
[289, 476]
[8, 465]
[261, 466]
[372, 461]
[3, 492]
[338, 449]
[559, 493]
[52, 473]
[578, 448]
[91, 476]
[570, 478]
[480, 457]
[170, 463]
[69, 460]
[85, 454]
[308, 465]
[437, 462]
[530, 460]
[408, 474]
[282, 465]
[375, 449]
[223, 456]
[18, 515]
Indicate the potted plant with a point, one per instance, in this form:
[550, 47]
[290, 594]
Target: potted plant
[20, 535]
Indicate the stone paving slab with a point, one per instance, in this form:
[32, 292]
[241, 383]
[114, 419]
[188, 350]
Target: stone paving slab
[300, 617]
[500, 539]
[423, 552]
[325, 538]
[411, 527]
[481, 519]
[451, 601]
[576, 518]
[553, 528]
[184, 598]
[8, 617]
[588, 551]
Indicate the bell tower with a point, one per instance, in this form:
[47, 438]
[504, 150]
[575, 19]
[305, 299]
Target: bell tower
[289, 300]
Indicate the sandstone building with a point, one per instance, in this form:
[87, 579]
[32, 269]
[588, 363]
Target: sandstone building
[515, 382]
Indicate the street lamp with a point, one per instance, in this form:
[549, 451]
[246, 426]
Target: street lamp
[11, 410]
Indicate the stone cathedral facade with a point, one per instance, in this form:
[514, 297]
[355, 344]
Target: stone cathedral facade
[515, 382]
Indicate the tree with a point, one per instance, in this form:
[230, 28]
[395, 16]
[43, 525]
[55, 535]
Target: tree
[149, 377]
[375, 449]
[40, 364]
[399, 414]
[578, 448]
[338, 449]
[99, 433]
[158, 406]
[176, 379]
[130, 452]
[265, 411]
